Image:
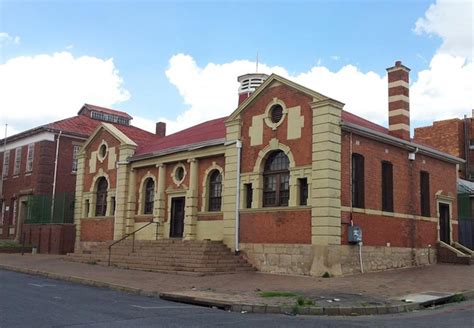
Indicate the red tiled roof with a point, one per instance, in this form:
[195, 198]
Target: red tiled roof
[207, 131]
[107, 111]
[352, 118]
[215, 129]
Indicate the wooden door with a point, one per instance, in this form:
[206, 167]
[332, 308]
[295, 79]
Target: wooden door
[177, 217]
[444, 224]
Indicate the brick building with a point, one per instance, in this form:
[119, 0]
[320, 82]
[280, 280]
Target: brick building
[455, 137]
[43, 161]
[285, 179]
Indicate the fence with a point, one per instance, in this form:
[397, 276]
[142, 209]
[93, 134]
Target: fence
[466, 220]
[39, 209]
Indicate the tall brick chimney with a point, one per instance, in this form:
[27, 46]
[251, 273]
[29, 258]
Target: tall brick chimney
[399, 101]
[160, 129]
[248, 84]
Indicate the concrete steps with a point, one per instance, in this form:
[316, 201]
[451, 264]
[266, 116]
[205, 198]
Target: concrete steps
[167, 255]
[456, 254]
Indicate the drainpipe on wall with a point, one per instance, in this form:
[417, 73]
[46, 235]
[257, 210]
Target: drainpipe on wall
[238, 145]
[55, 176]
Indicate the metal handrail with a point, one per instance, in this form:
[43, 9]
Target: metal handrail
[133, 239]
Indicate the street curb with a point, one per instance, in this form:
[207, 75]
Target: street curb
[240, 307]
[288, 309]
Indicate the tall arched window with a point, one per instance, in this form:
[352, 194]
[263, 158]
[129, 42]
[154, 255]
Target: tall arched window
[276, 178]
[149, 196]
[215, 191]
[101, 204]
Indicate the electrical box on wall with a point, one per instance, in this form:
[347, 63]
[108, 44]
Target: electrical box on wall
[355, 234]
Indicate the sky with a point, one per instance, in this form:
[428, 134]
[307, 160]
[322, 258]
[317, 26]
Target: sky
[178, 61]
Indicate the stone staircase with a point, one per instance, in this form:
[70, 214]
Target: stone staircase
[455, 253]
[192, 257]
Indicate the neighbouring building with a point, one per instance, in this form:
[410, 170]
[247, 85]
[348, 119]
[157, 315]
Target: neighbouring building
[456, 137]
[453, 136]
[39, 168]
[289, 179]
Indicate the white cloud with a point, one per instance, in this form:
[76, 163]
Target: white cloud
[6, 38]
[452, 21]
[38, 89]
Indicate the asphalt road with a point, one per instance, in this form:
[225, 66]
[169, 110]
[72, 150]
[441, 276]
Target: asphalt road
[32, 301]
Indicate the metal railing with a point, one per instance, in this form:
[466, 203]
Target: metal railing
[133, 238]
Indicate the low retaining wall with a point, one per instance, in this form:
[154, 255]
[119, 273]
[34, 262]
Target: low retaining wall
[315, 260]
[50, 238]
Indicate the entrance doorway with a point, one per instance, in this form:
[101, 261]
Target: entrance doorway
[444, 224]
[177, 217]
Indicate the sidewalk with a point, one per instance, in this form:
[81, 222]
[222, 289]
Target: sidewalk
[371, 293]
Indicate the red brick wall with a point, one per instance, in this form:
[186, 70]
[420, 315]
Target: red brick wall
[50, 238]
[97, 229]
[285, 227]
[447, 136]
[94, 146]
[291, 98]
[406, 176]
[378, 230]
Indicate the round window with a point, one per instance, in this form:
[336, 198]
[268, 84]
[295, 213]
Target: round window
[103, 151]
[179, 174]
[276, 113]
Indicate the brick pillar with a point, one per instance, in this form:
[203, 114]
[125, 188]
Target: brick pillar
[399, 101]
[190, 213]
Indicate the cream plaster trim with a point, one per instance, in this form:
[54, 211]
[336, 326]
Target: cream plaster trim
[275, 209]
[173, 174]
[398, 97]
[205, 185]
[101, 158]
[267, 116]
[167, 224]
[295, 123]
[391, 214]
[399, 126]
[274, 144]
[265, 85]
[141, 196]
[398, 83]
[256, 130]
[397, 112]
[442, 199]
[112, 158]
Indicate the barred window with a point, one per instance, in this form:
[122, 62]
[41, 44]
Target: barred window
[149, 196]
[387, 186]
[101, 205]
[6, 163]
[29, 157]
[75, 152]
[425, 193]
[276, 178]
[215, 191]
[16, 168]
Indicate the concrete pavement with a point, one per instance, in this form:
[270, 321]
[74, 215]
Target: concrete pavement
[371, 293]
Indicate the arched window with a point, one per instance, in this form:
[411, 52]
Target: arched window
[276, 178]
[215, 191]
[101, 204]
[149, 196]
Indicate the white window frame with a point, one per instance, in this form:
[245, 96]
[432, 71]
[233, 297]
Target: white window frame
[17, 167]
[30, 157]
[6, 163]
[75, 152]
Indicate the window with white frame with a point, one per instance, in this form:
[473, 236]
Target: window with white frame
[75, 152]
[6, 163]
[16, 168]
[29, 157]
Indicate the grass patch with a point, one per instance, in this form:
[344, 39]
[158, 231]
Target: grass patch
[9, 244]
[303, 301]
[278, 294]
[458, 298]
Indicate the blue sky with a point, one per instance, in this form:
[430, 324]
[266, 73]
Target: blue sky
[152, 46]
